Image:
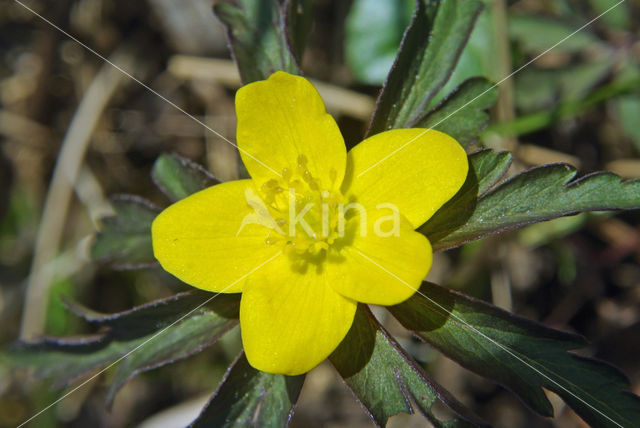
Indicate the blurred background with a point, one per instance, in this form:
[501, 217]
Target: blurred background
[74, 131]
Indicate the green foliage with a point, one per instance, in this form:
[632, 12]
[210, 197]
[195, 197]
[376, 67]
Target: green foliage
[58, 319]
[149, 336]
[248, 397]
[462, 114]
[438, 81]
[259, 38]
[178, 177]
[520, 354]
[125, 238]
[616, 13]
[623, 84]
[374, 31]
[537, 89]
[535, 195]
[548, 32]
[297, 21]
[429, 52]
[584, 70]
[480, 54]
[486, 168]
[386, 380]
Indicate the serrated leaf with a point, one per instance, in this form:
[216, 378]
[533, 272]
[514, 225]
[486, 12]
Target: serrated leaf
[125, 238]
[248, 397]
[533, 196]
[179, 177]
[149, 336]
[428, 54]
[520, 354]
[538, 33]
[462, 114]
[257, 37]
[373, 34]
[386, 380]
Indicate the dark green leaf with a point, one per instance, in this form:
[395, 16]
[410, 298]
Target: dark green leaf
[462, 114]
[178, 177]
[385, 379]
[374, 31]
[535, 195]
[479, 56]
[298, 22]
[486, 168]
[520, 354]
[248, 397]
[429, 52]
[257, 37]
[536, 34]
[125, 238]
[189, 326]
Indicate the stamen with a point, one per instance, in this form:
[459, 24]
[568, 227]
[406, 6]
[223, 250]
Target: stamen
[298, 187]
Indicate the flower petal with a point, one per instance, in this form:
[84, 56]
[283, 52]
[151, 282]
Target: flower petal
[382, 267]
[280, 119]
[418, 170]
[291, 320]
[197, 239]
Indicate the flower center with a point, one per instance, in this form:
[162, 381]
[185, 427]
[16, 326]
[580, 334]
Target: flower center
[307, 213]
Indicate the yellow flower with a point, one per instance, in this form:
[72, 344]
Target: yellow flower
[316, 229]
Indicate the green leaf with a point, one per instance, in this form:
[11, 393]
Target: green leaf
[486, 168]
[59, 321]
[125, 238]
[374, 31]
[535, 195]
[248, 397]
[298, 20]
[149, 336]
[429, 52]
[479, 56]
[386, 380]
[258, 37]
[179, 177]
[462, 114]
[520, 354]
[626, 81]
[536, 34]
